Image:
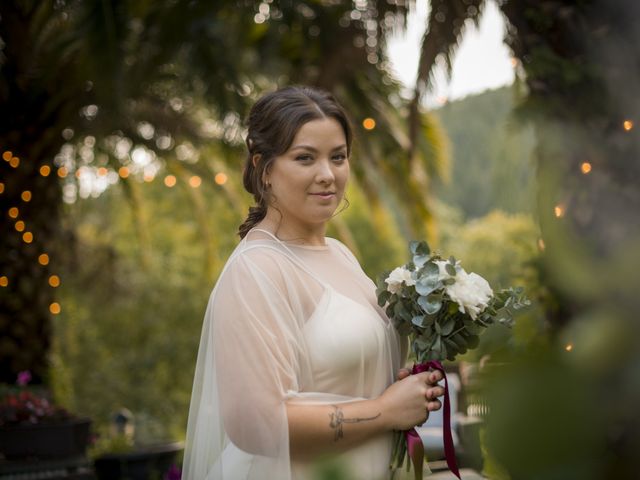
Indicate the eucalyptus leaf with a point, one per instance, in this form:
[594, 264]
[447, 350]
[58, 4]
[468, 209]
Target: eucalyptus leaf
[448, 325]
[431, 304]
[427, 284]
[451, 270]
[418, 320]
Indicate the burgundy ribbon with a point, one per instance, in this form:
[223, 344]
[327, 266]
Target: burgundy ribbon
[415, 448]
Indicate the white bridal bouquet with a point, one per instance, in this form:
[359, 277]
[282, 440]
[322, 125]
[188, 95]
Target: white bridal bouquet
[443, 309]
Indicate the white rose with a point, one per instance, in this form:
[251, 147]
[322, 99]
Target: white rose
[471, 292]
[397, 277]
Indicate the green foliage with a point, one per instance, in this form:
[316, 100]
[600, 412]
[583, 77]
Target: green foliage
[502, 248]
[128, 335]
[492, 165]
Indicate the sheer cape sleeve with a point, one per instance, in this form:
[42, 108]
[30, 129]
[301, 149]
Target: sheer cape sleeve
[250, 357]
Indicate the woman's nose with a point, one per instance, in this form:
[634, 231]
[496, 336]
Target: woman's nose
[325, 172]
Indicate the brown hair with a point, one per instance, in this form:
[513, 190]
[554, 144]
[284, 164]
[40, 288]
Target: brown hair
[273, 123]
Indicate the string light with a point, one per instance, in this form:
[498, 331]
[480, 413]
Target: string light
[568, 347]
[220, 178]
[19, 225]
[558, 211]
[627, 125]
[123, 172]
[55, 308]
[4, 281]
[43, 259]
[170, 181]
[1, 187]
[195, 181]
[14, 162]
[14, 212]
[26, 196]
[54, 281]
[7, 156]
[45, 170]
[62, 172]
[585, 167]
[369, 123]
[27, 237]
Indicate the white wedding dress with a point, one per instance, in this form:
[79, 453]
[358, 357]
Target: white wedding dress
[285, 323]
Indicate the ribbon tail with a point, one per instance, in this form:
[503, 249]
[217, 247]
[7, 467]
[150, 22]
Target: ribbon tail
[415, 449]
[449, 449]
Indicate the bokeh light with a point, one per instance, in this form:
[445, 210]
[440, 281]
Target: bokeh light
[14, 212]
[20, 225]
[26, 196]
[1, 187]
[627, 125]
[55, 308]
[170, 181]
[568, 347]
[220, 178]
[7, 156]
[62, 172]
[54, 281]
[14, 162]
[195, 181]
[558, 211]
[102, 171]
[43, 259]
[585, 167]
[123, 172]
[369, 123]
[4, 281]
[27, 237]
[45, 170]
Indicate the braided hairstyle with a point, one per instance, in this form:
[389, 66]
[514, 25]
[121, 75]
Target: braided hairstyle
[273, 122]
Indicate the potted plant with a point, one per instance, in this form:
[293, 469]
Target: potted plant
[32, 427]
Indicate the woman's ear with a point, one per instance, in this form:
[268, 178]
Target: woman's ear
[255, 159]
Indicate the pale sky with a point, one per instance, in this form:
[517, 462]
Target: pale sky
[481, 62]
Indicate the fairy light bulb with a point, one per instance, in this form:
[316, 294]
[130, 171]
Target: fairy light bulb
[369, 123]
[170, 181]
[220, 178]
[195, 181]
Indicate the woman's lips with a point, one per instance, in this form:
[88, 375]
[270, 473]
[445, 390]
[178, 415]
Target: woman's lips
[324, 195]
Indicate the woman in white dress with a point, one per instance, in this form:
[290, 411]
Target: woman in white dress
[297, 362]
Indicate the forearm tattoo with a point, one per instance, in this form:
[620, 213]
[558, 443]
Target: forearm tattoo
[337, 420]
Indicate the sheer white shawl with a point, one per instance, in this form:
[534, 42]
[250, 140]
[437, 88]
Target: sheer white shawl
[258, 351]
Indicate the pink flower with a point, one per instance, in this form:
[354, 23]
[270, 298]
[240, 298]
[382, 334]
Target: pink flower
[24, 377]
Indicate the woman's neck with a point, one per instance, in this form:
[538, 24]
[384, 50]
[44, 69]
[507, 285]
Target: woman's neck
[312, 235]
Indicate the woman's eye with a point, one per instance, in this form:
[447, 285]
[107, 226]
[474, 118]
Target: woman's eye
[304, 158]
[339, 158]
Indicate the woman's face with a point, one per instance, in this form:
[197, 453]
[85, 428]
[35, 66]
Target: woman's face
[308, 180]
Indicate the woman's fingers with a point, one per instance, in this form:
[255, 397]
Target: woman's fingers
[434, 392]
[403, 373]
[434, 405]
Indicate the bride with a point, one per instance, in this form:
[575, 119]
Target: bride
[297, 363]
